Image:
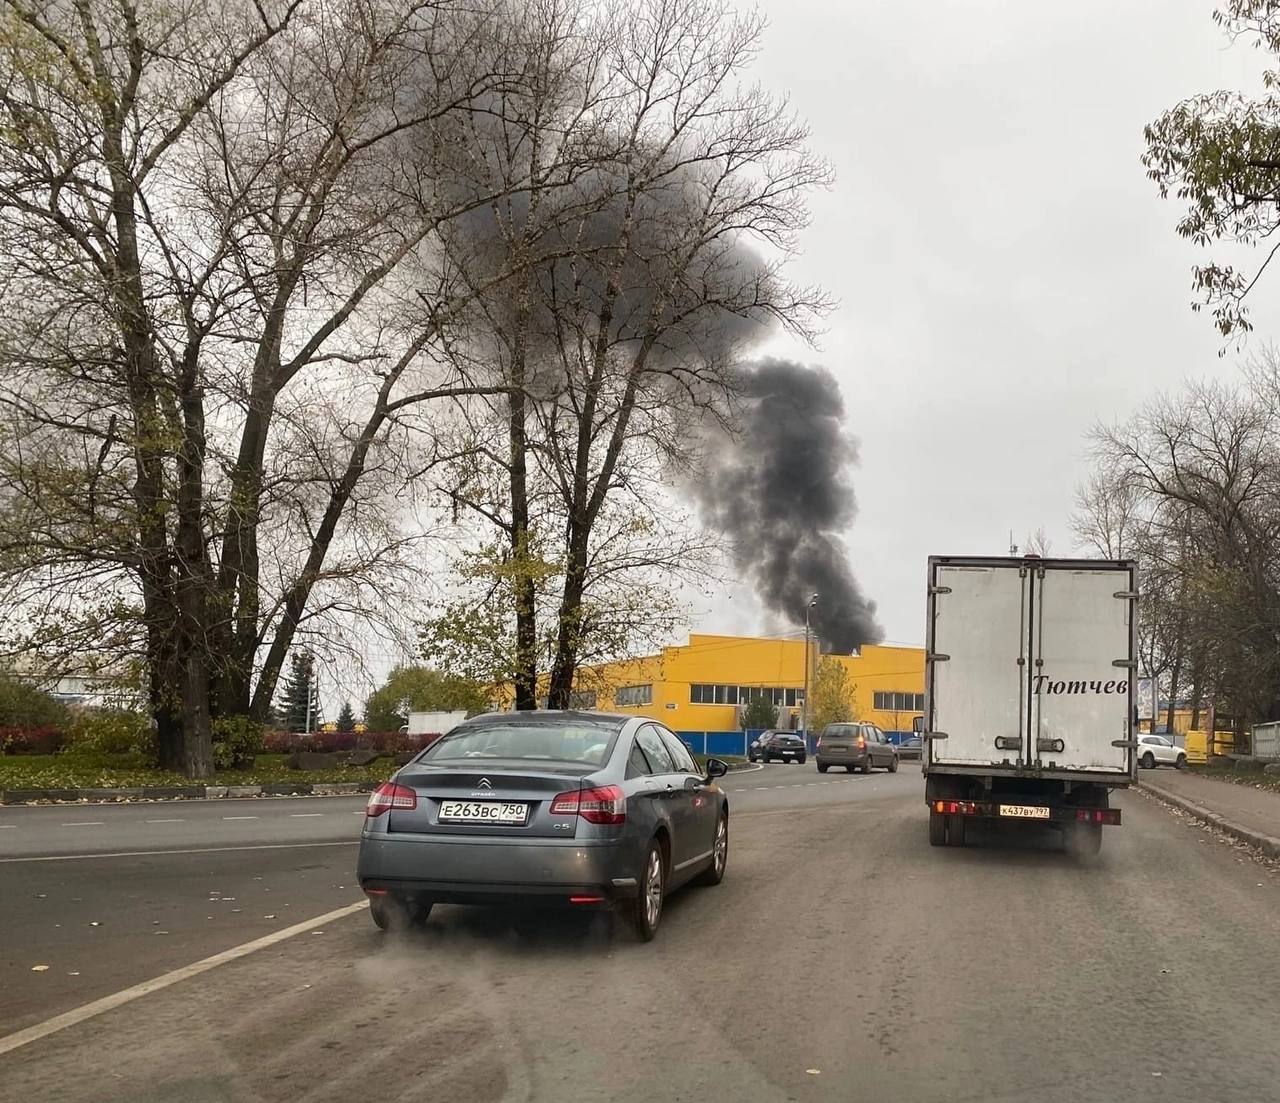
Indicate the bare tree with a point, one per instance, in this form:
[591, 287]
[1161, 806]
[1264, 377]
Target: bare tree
[224, 312]
[635, 293]
[1204, 468]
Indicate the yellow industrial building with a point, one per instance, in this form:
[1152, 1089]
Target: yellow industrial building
[700, 686]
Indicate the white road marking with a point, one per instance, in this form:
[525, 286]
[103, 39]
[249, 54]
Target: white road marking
[164, 821]
[85, 823]
[165, 980]
[239, 817]
[304, 815]
[155, 853]
[10, 826]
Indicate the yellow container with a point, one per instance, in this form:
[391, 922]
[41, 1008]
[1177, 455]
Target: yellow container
[1223, 743]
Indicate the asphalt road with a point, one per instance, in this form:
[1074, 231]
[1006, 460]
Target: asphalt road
[842, 958]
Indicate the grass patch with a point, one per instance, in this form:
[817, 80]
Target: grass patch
[1255, 779]
[87, 771]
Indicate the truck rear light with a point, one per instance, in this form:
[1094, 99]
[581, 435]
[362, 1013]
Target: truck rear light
[389, 795]
[606, 804]
[1098, 815]
[958, 807]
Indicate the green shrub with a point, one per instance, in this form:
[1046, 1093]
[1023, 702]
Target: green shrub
[236, 740]
[25, 706]
[113, 732]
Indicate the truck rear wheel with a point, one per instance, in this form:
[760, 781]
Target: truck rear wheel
[945, 830]
[1083, 840]
[937, 829]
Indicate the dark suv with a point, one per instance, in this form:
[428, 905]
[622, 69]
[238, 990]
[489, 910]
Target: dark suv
[855, 747]
[771, 745]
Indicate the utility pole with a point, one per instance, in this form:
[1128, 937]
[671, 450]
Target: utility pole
[805, 713]
[311, 688]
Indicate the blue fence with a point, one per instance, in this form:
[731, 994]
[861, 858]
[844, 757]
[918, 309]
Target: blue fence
[737, 742]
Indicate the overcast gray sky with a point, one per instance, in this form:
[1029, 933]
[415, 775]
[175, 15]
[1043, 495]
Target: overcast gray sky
[1006, 274]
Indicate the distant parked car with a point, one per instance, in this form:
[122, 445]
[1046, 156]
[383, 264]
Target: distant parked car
[771, 745]
[1157, 750]
[912, 746]
[855, 747]
[583, 809]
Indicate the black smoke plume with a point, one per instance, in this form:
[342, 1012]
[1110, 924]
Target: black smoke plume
[780, 491]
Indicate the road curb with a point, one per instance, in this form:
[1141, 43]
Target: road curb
[185, 792]
[1268, 844]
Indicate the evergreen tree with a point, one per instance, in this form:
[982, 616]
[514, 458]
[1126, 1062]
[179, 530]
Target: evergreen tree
[346, 718]
[299, 686]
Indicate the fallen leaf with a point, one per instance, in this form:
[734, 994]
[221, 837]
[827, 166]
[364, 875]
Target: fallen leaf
[39, 968]
[73, 974]
[814, 1072]
[161, 932]
[94, 923]
[317, 932]
[268, 917]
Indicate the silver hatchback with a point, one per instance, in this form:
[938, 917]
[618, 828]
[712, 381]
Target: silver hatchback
[583, 809]
[855, 747]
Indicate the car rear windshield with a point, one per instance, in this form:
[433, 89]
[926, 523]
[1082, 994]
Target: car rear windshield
[573, 741]
[841, 729]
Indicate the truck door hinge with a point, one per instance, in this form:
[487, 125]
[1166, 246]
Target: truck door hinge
[937, 657]
[931, 736]
[1126, 595]
[1129, 664]
[1124, 742]
[939, 589]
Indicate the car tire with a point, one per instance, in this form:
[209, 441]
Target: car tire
[393, 913]
[1148, 761]
[800, 760]
[893, 764]
[646, 908]
[714, 873]
[866, 765]
[1181, 763]
[823, 767]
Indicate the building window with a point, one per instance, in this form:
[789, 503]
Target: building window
[892, 701]
[701, 694]
[582, 699]
[633, 695]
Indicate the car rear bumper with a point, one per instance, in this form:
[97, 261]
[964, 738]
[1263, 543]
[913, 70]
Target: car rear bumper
[842, 758]
[468, 870]
[794, 752]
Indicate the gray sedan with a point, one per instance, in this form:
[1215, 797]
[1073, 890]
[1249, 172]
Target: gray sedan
[584, 809]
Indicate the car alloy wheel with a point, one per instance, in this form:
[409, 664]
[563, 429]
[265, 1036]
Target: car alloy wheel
[1148, 761]
[714, 873]
[1181, 764]
[653, 889]
[648, 903]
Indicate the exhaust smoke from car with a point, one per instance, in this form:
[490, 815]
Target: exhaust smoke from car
[780, 492]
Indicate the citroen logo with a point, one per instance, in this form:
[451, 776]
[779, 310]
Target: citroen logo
[484, 783]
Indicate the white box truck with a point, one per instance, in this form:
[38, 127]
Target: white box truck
[1029, 695]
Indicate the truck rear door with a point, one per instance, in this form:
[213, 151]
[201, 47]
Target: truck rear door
[1082, 678]
[977, 657]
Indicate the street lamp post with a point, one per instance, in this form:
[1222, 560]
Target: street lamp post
[804, 714]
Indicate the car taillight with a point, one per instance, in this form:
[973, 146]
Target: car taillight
[862, 742]
[607, 804]
[818, 744]
[389, 795]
